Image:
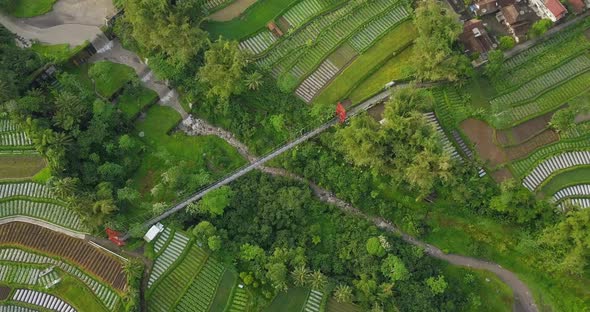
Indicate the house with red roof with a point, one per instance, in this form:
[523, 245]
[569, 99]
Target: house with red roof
[551, 9]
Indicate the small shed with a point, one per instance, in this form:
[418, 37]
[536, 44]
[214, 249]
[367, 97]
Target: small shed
[274, 29]
[153, 232]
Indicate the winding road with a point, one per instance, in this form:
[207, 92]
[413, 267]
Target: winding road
[55, 29]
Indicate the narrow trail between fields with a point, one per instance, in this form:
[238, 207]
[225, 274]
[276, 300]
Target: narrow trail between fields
[231, 11]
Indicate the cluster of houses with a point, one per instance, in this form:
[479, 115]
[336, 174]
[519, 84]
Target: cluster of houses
[509, 17]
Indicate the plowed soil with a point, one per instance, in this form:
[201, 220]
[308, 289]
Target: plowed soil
[520, 151]
[501, 175]
[103, 265]
[4, 292]
[523, 132]
[482, 136]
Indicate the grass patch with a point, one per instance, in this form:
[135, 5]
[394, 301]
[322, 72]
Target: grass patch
[208, 153]
[394, 69]
[459, 232]
[135, 99]
[110, 77]
[486, 291]
[77, 294]
[253, 19]
[30, 8]
[42, 176]
[57, 53]
[354, 74]
[20, 166]
[578, 175]
[224, 290]
[292, 300]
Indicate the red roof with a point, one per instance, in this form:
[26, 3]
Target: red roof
[555, 7]
[578, 5]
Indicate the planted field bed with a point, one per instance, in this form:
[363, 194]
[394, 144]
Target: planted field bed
[542, 83]
[366, 37]
[258, 43]
[50, 212]
[521, 167]
[212, 5]
[14, 139]
[449, 106]
[303, 11]
[26, 189]
[539, 59]
[335, 306]
[546, 102]
[314, 302]
[107, 296]
[15, 166]
[105, 266]
[578, 202]
[41, 299]
[19, 274]
[174, 248]
[447, 145]
[312, 84]
[554, 164]
[15, 308]
[580, 190]
[169, 288]
[201, 291]
[239, 301]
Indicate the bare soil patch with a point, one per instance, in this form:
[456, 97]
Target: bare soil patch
[4, 292]
[582, 118]
[520, 151]
[482, 137]
[501, 175]
[524, 131]
[20, 166]
[105, 266]
[231, 11]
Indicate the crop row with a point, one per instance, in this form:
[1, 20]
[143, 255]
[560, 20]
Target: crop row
[169, 289]
[17, 274]
[6, 125]
[258, 43]
[172, 252]
[365, 38]
[546, 102]
[526, 165]
[29, 189]
[554, 164]
[200, 293]
[337, 33]
[546, 81]
[302, 11]
[515, 76]
[52, 213]
[539, 49]
[239, 301]
[14, 139]
[41, 299]
[108, 297]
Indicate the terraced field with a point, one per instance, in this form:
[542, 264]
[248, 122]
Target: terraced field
[167, 291]
[12, 137]
[37, 201]
[106, 267]
[201, 291]
[312, 30]
[107, 296]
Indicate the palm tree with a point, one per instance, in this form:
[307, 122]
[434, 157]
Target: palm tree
[64, 187]
[317, 280]
[343, 293]
[300, 275]
[254, 81]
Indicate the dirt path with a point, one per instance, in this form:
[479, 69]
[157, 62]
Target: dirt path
[523, 300]
[114, 52]
[231, 11]
[80, 12]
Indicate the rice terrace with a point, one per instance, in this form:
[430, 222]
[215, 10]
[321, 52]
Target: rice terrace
[294, 155]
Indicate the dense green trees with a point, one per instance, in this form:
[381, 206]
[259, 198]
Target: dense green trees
[223, 71]
[405, 146]
[438, 29]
